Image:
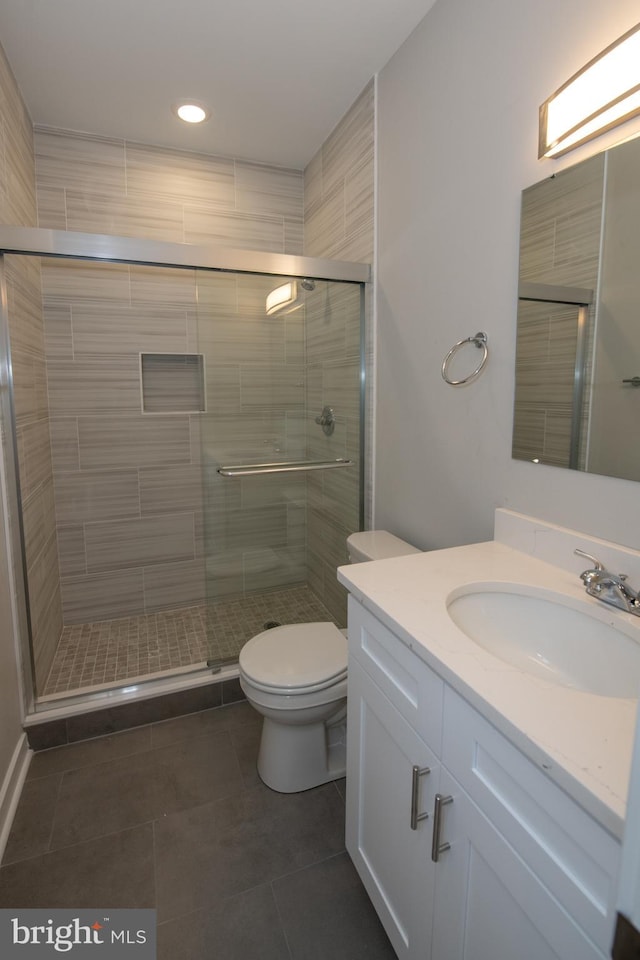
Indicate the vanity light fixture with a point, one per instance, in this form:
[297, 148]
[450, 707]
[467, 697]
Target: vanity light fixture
[191, 111]
[282, 297]
[603, 94]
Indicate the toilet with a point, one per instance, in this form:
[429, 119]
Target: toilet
[296, 677]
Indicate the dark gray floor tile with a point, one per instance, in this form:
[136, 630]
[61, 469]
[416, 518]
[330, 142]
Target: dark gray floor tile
[85, 752]
[31, 828]
[341, 787]
[244, 927]
[112, 796]
[239, 842]
[105, 798]
[114, 871]
[194, 772]
[234, 716]
[240, 870]
[246, 741]
[184, 728]
[327, 914]
[241, 714]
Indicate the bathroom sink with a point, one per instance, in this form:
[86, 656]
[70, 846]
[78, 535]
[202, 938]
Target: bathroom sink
[552, 636]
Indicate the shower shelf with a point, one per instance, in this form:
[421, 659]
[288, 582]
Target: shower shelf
[289, 466]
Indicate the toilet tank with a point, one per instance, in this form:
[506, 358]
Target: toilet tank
[377, 545]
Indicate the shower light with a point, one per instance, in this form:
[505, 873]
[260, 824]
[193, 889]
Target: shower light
[191, 112]
[282, 297]
[604, 93]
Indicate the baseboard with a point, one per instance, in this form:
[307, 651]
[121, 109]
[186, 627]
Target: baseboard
[12, 788]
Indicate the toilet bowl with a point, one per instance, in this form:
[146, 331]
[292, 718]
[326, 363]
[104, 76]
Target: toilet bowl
[296, 677]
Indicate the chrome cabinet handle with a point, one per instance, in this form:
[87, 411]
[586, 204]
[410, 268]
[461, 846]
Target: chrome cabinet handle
[436, 847]
[416, 773]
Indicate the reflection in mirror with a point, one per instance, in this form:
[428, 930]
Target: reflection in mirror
[577, 404]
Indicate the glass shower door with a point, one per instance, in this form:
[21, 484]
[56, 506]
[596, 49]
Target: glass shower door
[281, 491]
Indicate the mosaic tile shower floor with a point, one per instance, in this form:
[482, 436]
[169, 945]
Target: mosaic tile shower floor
[113, 651]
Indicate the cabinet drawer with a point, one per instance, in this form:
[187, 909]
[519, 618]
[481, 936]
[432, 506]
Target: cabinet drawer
[575, 858]
[413, 688]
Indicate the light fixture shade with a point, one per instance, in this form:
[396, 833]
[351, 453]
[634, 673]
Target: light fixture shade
[282, 297]
[601, 95]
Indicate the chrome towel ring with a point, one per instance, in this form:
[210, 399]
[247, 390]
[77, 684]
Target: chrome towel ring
[480, 340]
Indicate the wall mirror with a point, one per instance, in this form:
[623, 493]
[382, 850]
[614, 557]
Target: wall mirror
[577, 397]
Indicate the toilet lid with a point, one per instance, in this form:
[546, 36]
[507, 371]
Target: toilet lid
[297, 657]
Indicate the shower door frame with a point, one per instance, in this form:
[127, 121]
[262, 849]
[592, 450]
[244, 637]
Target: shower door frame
[60, 244]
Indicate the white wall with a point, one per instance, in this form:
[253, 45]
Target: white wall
[457, 127]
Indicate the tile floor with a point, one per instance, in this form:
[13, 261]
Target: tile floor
[173, 816]
[110, 651]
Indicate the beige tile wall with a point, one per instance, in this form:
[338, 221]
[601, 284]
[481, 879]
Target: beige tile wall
[134, 529]
[127, 487]
[133, 526]
[339, 223]
[339, 188]
[98, 319]
[94, 185]
[118, 478]
[18, 207]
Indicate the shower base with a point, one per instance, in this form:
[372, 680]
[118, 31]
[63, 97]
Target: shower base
[116, 652]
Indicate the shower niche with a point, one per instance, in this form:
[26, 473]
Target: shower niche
[172, 383]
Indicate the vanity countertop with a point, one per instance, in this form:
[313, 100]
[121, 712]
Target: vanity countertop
[583, 741]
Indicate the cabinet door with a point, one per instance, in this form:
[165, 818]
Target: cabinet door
[392, 858]
[572, 855]
[488, 903]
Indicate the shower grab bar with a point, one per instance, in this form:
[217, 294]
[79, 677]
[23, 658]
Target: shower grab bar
[288, 466]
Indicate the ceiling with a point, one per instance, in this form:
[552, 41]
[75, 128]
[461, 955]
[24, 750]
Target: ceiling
[277, 74]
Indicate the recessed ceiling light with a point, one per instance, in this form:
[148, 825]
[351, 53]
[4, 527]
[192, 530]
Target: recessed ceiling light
[191, 111]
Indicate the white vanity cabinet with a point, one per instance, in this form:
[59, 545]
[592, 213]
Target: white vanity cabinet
[523, 871]
[392, 778]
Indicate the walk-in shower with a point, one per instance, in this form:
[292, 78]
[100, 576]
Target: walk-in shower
[171, 490]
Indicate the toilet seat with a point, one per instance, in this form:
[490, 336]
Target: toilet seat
[295, 659]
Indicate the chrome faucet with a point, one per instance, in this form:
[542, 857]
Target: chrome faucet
[611, 588]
